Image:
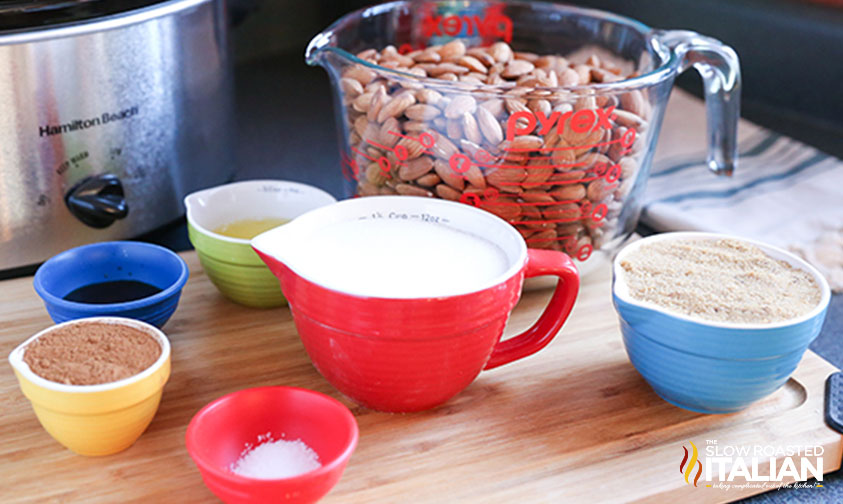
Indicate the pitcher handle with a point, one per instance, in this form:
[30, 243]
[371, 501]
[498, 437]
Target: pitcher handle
[542, 262]
[719, 68]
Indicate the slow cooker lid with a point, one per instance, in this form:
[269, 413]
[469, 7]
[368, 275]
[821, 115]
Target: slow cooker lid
[34, 14]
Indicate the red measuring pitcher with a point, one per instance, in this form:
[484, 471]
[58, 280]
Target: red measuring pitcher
[372, 325]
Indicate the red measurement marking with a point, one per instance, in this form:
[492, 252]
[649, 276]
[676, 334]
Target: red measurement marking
[549, 221]
[628, 138]
[488, 196]
[573, 147]
[550, 182]
[558, 238]
[425, 139]
[533, 167]
[370, 158]
[350, 165]
[384, 163]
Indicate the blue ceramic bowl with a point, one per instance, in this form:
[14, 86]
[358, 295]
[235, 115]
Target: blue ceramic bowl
[713, 367]
[109, 261]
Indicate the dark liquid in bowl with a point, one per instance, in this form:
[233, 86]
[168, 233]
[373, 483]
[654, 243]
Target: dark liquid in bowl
[117, 291]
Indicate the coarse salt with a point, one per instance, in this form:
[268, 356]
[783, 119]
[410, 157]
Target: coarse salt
[272, 459]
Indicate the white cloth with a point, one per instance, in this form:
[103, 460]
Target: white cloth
[783, 192]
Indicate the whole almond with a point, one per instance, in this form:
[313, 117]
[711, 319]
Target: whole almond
[472, 64]
[472, 80]
[535, 196]
[428, 96]
[481, 55]
[489, 126]
[561, 212]
[378, 99]
[427, 56]
[532, 217]
[375, 175]
[543, 239]
[629, 119]
[396, 106]
[428, 180]
[416, 126]
[563, 156]
[360, 125]
[569, 193]
[526, 142]
[460, 104]
[516, 68]
[506, 178]
[386, 133]
[415, 168]
[470, 129]
[421, 112]
[539, 106]
[442, 69]
[449, 176]
[538, 172]
[475, 176]
[569, 77]
[442, 147]
[514, 105]
[361, 74]
[351, 87]
[411, 190]
[362, 102]
[447, 192]
[598, 189]
[501, 52]
[452, 50]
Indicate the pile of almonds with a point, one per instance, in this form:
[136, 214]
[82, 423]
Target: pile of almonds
[502, 130]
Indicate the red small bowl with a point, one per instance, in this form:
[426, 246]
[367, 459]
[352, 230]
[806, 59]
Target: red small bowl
[218, 433]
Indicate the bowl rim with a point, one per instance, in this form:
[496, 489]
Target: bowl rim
[17, 362]
[316, 219]
[191, 203]
[667, 67]
[95, 308]
[343, 411]
[621, 292]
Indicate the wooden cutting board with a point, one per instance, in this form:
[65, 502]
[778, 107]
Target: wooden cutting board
[574, 423]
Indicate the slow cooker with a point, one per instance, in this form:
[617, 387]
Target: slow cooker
[110, 113]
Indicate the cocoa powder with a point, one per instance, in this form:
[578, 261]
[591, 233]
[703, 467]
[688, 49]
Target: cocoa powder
[91, 353]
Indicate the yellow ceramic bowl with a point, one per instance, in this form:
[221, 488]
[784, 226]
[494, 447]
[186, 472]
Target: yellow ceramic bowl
[230, 263]
[96, 419]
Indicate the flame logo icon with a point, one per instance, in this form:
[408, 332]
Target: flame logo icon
[687, 466]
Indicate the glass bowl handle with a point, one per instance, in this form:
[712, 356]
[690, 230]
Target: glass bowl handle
[720, 70]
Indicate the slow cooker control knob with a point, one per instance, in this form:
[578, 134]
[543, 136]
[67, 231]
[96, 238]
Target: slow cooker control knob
[97, 200]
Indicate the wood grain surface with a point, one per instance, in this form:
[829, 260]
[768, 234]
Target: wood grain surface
[573, 423]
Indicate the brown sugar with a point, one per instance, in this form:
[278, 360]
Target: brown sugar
[92, 352]
[719, 280]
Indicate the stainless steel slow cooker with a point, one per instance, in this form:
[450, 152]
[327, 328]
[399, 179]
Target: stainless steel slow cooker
[110, 113]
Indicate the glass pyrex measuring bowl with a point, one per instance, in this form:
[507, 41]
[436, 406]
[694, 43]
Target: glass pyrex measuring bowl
[430, 101]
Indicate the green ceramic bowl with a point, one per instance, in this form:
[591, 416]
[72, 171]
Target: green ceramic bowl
[230, 263]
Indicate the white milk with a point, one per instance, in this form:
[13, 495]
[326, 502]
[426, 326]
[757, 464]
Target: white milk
[397, 259]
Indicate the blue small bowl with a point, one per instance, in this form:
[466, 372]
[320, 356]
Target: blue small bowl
[706, 366]
[109, 261]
